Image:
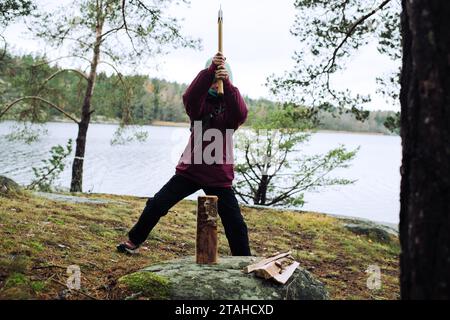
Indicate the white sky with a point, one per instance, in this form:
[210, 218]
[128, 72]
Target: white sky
[257, 43]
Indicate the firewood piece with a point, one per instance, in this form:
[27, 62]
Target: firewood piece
[274, 254]
[206, 244]
[265, 261]
[284, 276]
[268, 271]
[273, 268]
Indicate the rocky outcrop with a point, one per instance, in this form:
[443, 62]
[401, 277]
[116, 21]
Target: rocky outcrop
[74, 199]
[184, 279]
[373, 231]
[8, 186]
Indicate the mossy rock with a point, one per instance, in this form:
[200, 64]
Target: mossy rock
[373, 232]
[15, 293]
[8, 186]
[146, 284]
[183, 279]
[16, 287]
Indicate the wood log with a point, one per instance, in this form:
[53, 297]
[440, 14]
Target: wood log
[279, 266]
[206, 244]
[274, 268]
[265, 261]
[284, 276]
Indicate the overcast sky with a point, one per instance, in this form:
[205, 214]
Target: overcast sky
[257, 43]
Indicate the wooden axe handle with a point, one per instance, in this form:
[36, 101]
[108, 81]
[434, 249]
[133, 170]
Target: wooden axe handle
[220, 82]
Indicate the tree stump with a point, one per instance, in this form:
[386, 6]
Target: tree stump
[206, 244]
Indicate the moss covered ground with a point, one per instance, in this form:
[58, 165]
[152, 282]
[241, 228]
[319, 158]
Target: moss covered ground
[40, 238]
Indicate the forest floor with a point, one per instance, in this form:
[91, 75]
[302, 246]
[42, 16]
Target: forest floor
[40, 238]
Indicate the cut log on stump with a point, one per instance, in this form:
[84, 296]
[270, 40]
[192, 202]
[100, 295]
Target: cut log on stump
[206, 245]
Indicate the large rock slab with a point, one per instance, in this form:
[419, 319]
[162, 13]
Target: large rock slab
[74, 199]
[8, 186]
[373, 231]
[182, 279]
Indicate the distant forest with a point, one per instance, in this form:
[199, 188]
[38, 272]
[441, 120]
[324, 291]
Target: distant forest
[146, 99]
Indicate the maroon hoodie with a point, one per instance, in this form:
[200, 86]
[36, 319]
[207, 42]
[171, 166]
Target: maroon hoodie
[229, 113]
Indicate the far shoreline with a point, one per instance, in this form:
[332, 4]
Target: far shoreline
[160, 123]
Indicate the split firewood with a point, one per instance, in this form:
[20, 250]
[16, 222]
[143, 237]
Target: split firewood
[265, 261]
[268, 271]
[279, 266]
[273, 268]
[287, 273]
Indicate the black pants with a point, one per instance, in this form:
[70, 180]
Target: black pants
[179, 187]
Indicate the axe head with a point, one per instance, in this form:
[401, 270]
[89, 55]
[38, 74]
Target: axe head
[220, 19]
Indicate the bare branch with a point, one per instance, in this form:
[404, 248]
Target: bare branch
[286, 194]
[278, 168]
[126, 26]
[154, 13]
[9, 106]
[4, 47]
[350, 31]
[71, 56]
[247, 151]
[327, 68]
[61, 71]
[247, 177]
[244, 197]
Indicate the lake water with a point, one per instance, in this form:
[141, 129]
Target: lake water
[141, 169]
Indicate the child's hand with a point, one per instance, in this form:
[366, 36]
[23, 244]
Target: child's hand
[221, 72]
[219, 59]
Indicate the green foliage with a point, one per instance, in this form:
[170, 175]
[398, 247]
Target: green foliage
[127, 134]
[331, 32]
[393, 123]
[21, 76]
[152, 100]
[11, 9]
[131, 30]
[52, 168]
[287, 116]
[24, 76]
[272, 172]
[375, 122]
[26, 132]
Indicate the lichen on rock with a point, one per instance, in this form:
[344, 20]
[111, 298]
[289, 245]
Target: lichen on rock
[224, 280]
[147, 285]
[372, 231]
[8, 186]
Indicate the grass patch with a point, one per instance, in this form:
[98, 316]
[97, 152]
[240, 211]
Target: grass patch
[40, 238]
[38, 286]
[16, 279]
[37, 246]
[146, 284]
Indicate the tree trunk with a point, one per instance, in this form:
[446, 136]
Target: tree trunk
[261, 193]
[77, 168]
[425, 132]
